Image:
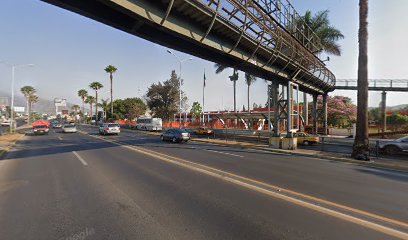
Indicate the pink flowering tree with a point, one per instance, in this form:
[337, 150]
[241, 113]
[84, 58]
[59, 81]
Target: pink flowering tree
[341, 112]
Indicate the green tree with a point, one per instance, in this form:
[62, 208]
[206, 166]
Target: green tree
[29, 92]
[130, 108]
[196, 110]
[374, 114]
[397, 120]
[91, 101]
[111, 70]
[32, 99]
[82, 93]
[96, 86]
[249, 80]
[320, 24]
[75, 108]
[163, 98]
[361, 145]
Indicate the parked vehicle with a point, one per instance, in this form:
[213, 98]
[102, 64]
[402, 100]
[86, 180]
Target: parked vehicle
[306, 138]
[69, 128]
[149, 124]
[175, 135]
[204, 131]
[109, 128]
[394, 146]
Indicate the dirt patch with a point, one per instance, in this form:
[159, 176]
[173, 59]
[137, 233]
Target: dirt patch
[7, 139]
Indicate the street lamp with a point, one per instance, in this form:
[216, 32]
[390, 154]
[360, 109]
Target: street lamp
[13, 70]
[180, 62]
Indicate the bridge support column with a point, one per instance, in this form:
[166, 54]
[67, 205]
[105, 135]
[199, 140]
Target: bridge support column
[325, 127]
[314, 114]
[290, 110]
[305, 110]
[275, 99]
[383, 112]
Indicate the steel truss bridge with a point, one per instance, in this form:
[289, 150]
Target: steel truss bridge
[261, 37]
[388, 85]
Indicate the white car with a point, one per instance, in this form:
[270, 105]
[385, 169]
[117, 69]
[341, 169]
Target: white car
[6, 122]
[109, 128]
[69, 128]
[394, 146]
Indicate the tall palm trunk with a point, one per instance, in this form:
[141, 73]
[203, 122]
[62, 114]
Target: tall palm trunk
[28, 112]
[361, 146]
[83, 110]
[111, 93]
[90, 106]
[96, 106]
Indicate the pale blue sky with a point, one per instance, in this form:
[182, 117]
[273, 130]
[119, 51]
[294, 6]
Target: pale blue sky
[70, 51]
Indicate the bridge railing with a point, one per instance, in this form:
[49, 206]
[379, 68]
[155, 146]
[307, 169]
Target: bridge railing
[388, 83]
[275, 26]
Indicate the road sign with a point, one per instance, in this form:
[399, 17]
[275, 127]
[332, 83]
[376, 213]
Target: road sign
[59, 102]
[19, 109]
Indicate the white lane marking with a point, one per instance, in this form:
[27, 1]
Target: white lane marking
[60, 138]
[224, 153]
[80, 158]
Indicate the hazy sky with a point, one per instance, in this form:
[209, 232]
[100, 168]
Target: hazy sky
[70, 51]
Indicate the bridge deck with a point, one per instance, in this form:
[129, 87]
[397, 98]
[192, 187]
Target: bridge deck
[236, 33]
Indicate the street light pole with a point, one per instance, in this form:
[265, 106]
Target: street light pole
[13, 70]
[180, 62]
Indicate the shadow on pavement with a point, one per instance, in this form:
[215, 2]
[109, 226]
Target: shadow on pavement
[389, 174]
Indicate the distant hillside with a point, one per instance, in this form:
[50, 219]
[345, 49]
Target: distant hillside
[397, 107]
[42, 106]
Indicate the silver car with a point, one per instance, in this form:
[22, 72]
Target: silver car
[394, 146]
[69, 128]
[109, 128]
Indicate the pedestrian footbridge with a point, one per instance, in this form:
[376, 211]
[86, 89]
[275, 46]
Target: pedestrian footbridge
[261, 37]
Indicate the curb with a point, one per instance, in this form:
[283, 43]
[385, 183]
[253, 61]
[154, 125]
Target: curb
[8, 147]
[319, 155]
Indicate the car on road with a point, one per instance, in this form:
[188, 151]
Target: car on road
[40, 129]
[6, 122]
[69, 128]
[204, 131]
[394, 146]
[175, 135]
[56, 125]
[306, 138]
[109, 128]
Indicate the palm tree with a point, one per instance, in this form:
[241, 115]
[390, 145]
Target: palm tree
[28, 92]
[249, 79]
[234, 78]
[82, 93]
[320, 24]
[75, 108]
[361, 146]
[96, 86]
[111, 70]
[105, 105]
[33, 98]
[90, 100]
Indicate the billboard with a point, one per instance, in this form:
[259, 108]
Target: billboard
[19, 109]
[59, 102]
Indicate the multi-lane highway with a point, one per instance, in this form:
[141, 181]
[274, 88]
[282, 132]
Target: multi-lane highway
[133, 186]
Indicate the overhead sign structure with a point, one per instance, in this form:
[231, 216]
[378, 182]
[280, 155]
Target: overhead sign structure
[59, 102]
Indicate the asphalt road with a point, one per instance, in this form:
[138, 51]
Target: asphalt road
[133, 186]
